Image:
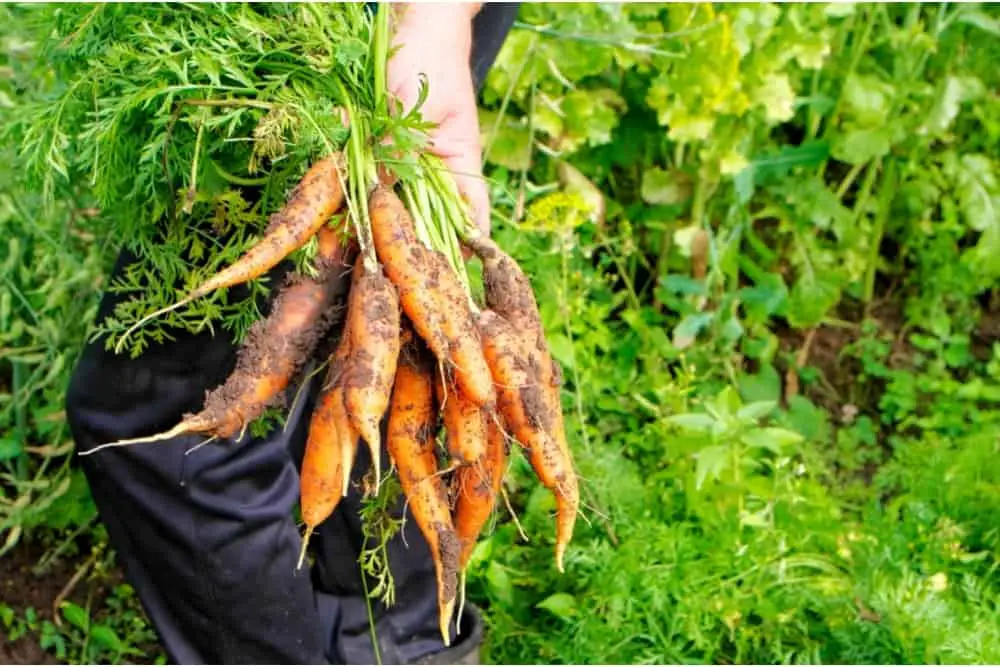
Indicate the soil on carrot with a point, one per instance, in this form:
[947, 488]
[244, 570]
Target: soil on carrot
[450, 549]
[508, 291]
[265, 343]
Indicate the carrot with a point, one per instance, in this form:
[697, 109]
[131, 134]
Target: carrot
[430, 295]
[372, 324]
[330, 448]
[411, 445]
[316, 197]
[476, 487]
[507, 289]
[528, 416]
[509, 294]
[464, 421]
[273, 352]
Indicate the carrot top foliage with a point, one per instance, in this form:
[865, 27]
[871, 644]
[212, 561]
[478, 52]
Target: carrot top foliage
[190, 123]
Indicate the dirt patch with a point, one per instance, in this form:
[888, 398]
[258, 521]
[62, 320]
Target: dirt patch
[24, 651]
[23, 588]
[822, 349]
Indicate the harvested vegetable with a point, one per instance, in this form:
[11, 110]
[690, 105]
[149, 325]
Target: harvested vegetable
[411, 429]
[316, 197]
[191, 162]
[428, 294]
[475, 489]
[329, 454]
[528, 417]
[372, 325]
[274, 351]
[464, 421]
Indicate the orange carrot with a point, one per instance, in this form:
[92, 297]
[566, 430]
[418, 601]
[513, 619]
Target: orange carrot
[316, 197]
[372, 323]
[330, 448]
[528, 417]
[476, 487]
[464, 421]
[430, 295]
[509, 294]
[411, 444]
[507, 289]
[273, 352]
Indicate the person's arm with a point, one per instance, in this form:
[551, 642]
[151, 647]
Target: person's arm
[435, 40]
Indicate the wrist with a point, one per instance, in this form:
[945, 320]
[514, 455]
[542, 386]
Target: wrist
[446, 19]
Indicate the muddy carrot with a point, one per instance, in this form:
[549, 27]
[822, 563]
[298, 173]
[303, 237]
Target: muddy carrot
[528, 417]
[476, 487]
[329, 454]
[464, 421]
[316, 197]
[273, 352]
[372, 323]
[430, 294]
[411, 444]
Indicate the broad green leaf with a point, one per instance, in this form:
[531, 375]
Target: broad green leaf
[589, 117]
[562, 605]
[772, 438]
[857, 146]
[765, 385]
[768, 297]
[75, 615]
[811, 299]
[711, 463]
[104, 636]
[731, 330]
[683, 285]
[700, 423]
[500, 584]
[687, 329]
[867, 99]
[978, 191]
[727, 402]
[508, 141]
[562, 350]
[660, 186]
[956, 91]
[10, 448]
[808, 419]
[756, 410]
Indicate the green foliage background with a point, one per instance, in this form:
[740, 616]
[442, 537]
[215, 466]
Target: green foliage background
[767, 246]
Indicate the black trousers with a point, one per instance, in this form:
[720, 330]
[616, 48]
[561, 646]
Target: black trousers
[208, 539]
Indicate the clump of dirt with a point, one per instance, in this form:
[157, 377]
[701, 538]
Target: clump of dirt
[450, 548]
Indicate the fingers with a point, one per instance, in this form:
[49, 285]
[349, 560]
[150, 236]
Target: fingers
[467, 170]
[457, 144]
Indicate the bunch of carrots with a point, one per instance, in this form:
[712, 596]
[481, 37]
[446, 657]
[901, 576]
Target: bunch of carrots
[416, 356]
[419, 369]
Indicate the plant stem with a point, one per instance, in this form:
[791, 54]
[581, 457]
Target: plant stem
[888, 188]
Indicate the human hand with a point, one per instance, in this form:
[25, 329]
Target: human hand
[435, 40]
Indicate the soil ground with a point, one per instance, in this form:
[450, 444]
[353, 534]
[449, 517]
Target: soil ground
[23, 587]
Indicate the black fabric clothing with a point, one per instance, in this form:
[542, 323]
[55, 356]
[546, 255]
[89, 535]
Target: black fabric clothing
[208, 537]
